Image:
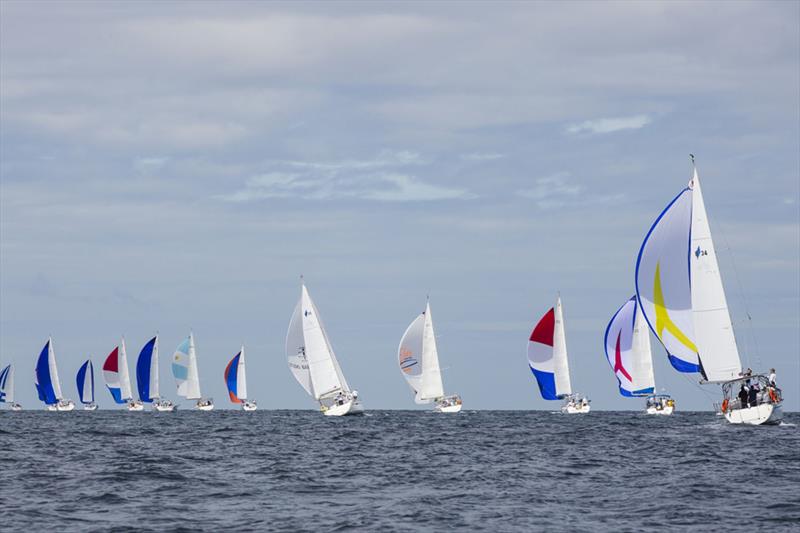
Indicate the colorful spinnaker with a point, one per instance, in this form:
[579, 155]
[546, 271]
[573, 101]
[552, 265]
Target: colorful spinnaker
[115, 374]
[48, 386]
[236, 379]
[627, 346]
[7, 385]
[85, 382]
[147, 371]
[547, 355]
[184, 369]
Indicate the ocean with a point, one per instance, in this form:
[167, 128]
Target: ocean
[395, 471]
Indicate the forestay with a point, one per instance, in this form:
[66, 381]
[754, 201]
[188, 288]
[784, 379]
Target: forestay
[627, 345]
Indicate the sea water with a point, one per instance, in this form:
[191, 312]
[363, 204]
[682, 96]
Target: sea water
[395, 471]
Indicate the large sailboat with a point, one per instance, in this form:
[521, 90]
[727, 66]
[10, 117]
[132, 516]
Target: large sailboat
[627, 345]
[118, 380]
[184, 368]
[147, 377]
[419, 364]
[547, 359]
[236, 382]
[85, 382]
[313, 363]
[7, 388]
[48, 386]
[680, 293]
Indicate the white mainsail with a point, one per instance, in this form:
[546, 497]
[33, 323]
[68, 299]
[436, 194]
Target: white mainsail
[124, 376]
[154, 392]
[296, 350]
[560, 362]
[51, 362]
[419, 359]
[241, 377]
[184, 368]
[642, 353]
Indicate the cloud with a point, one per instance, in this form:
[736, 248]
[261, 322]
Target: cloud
[558, 190]
[482, 156]
[609, 125]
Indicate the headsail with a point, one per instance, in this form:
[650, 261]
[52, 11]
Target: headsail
[296, 350]
[419, 359]
[147, 371]
[85, 382]
[48, 385]
[184, 368]
[547, 355]
[235, 378]
[627, 345]
[7, 385]
[326, 376]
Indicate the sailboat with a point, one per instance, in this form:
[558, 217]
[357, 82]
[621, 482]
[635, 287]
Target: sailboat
[419, 364]
[7, 388]
[48, 386]
[236, 382]
[184, 368]
[313, 363]
[85, 382]
[118, 380]
[680, 292]
[547, 359]
[627, 345]
[147, 377]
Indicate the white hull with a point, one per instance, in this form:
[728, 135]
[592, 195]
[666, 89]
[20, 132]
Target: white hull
[765, 413]
[208, 406]
[249, 406]
[576, 410]
[90, 407]
[668, 410]
[164, 406]
[62, 405]
[448, 409]
[16, 407]
[135, 405]
[352, 407]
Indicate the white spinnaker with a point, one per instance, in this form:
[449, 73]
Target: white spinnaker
[51, 362]
[663, 282]
[124, 377]
[193, 383]
[643, 375]
[154, 392]
[88, 383]
[410, 354]
[323, 372]
[296, 350]
[560, 363]
[432, 387]
[241, 377]
[714, 335]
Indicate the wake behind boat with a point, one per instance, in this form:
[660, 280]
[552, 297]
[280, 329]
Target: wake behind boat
[85, 382]
[147, 377]
[7, 388]
[184, 369]
[48, 386]
[547, 359]
[236, 382]
[680, 291]
[419, 364]
[314, 364]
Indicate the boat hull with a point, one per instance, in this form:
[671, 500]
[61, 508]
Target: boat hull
[576, 410]
[16, 407]
[207, 406]
[249, 406]
[668, 410]
[447, 409]
[763, 414]
[164, 406]
[90, 407]
[63, 405]
[135, 405]
[352, 407]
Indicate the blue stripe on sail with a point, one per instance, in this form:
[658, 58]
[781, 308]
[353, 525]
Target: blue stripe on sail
[633, 394]
[683, 366]
[81, 379]
[233, 372]
[3, 379]
[143, 365]
[180, 371]
[44, 383]
[547, 384]
[116, 393]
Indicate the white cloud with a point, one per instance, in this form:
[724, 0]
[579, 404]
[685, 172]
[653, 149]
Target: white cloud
[482, 156]
[558, 190]
[610, 125]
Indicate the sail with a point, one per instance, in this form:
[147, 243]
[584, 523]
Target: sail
[7, 385]
[714, 335]
[323, 369]
[627, 344]
[48, 385]
[235, 379]
[147, 371]
[296, 350]
[409, 356]
[112, 376]
[663, 282]
[432, 387]
[184, 368]
[85, 381]
[547, 355]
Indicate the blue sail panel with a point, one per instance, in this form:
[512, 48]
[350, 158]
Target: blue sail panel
[143, 367]
[116, 393]
[44, 382]
[85, 381]
[3, 380]
[547, 384]
[231, 376]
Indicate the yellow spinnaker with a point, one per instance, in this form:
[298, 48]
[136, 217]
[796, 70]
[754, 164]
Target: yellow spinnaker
[663, 321]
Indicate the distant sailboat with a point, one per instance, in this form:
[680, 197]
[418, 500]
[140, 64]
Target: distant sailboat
[419, 364]
[547, 358]
[680, 293]
[313, 363]
[7, 388]
[236, 382]
[85, 382]
[627, 345]
[147, 377]
[184, 368]
[118, 380]
[48, 386]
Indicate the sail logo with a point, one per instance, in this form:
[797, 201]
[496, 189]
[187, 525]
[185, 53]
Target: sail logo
[407, 360]
[699, 253]
[663, 320]
[306, 313]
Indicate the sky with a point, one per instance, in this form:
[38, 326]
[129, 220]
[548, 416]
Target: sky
[175, 167]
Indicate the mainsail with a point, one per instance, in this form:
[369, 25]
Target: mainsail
[115, 374]
[680, 291]
[147, 371]
[235, 378]
[85, 382]
[7, 385]
[627, 345]
[48, 386]
[419, 359]
[547, 355]
[184, 368]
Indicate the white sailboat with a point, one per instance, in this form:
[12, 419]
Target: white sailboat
[147, 378]
[184, 368]
[236, 382]
[680, 292]
[85, 382]
[118, 380]
[48, 386]
[627, 344]
[419, 364]
[313, 363]
[7, 389]
[547, 359]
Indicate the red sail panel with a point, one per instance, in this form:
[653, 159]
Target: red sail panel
[543, 332]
